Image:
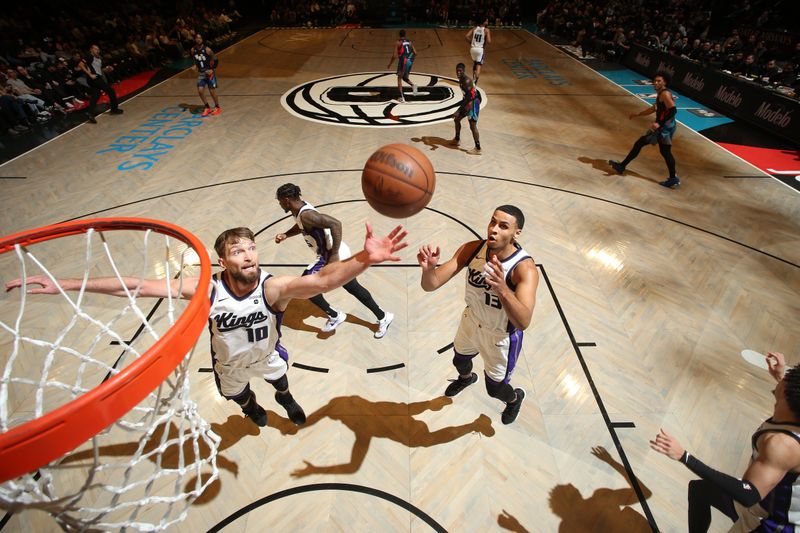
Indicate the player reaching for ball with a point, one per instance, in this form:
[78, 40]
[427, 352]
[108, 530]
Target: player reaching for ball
[470, 107]
[501, 293]
[323, 234]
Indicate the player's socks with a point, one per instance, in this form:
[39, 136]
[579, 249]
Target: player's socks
[512, 409]
[254, 412]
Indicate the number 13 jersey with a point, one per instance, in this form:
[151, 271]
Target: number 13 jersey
[481, 299]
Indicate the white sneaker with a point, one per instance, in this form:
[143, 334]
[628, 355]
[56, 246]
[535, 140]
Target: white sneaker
[383, 325]
[334, 321]
[414, 90]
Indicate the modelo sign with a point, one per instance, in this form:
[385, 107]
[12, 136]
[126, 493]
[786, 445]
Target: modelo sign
[735, 97]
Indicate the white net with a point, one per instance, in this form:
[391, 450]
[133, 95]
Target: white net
[143, 471]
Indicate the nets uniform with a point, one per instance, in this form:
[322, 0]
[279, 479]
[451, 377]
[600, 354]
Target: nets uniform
[471, 104]
[203, 62]
[405, 57]
[245, 338]
[667, 130]
[476, 47]
[320, 241]
[485, 327]
[779, 510]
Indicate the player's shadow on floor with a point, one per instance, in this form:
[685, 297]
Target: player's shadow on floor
[298, 311]
[605, 510]
[435, 142]
[603, 166]
[387, 420]
[194, 109]
[234, 429]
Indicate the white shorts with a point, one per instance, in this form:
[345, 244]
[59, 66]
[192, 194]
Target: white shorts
[234, 379]
[477, 54]
[499, 350]
[318, 263]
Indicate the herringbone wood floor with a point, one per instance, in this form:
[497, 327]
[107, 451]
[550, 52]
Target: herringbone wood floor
[670, 285]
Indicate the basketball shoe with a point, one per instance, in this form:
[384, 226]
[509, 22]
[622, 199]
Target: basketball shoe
[217, 111]
[512, 409]
[206, 112]
[334, 321]
[460, 384]
[383, 325]
[617, 166]
[671, 183]
[293, 409]
[255, 412]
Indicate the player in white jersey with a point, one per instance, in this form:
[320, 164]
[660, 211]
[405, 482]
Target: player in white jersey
[767, 498]
[246, 309]
[500, 295]
[478, 37]
[323, 234]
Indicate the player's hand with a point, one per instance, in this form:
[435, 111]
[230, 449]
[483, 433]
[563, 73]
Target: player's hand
[209, 73]
[668, 445]
[428, 258]
[493, 275]
[47, 286]
[654, 126]
[383, 249]
[776, 364]
[280, 237]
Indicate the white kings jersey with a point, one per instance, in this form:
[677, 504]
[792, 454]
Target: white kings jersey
[779, 510]
[243, 329]
[481, 299]
[478, 36]
[319, 240]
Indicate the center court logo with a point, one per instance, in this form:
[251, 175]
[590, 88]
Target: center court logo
[367, 100]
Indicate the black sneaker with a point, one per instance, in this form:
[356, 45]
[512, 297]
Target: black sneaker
[512, 409]
[255, 412]
[617, 166]
[460, 384]
[90, 119]
[293, 409]
[116, 111]
[671, 183]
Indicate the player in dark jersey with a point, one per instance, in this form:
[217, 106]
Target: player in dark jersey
[470, 107]
[205, 63]
[405, 57]
[661, 131]
[767, 497]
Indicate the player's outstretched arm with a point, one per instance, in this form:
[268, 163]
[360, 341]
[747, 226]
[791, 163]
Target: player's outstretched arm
[376, 250]
[148, 288]
[468, 35]
[433, 275]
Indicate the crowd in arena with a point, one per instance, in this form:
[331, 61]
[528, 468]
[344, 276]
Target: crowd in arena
[41, 47]
[745, 41]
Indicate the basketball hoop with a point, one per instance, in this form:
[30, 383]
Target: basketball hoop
[71, 404]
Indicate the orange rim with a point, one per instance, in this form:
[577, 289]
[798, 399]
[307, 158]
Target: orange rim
[38, 442]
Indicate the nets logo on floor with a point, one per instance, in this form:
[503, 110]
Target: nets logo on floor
[371, 100]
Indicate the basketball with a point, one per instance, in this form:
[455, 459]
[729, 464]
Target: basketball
[398, 181]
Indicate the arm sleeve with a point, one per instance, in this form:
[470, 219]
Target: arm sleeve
[740, 490]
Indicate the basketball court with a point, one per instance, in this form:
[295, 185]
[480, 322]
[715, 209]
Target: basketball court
[646, 297]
